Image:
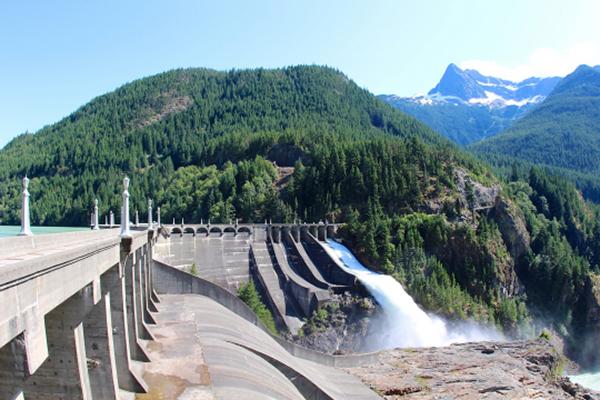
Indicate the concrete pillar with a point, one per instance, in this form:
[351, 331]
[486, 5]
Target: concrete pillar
[137, 219]
[64, 374]
[142, 270]
[126, 377]
[149, 213]
[106, 220]
[134, 328]
[125, 232]
[296, 233]
[112, 219]
[321, 233]
[96, 225]
[173, 220]
[25, 221]
[277, 234]
[100, 351]
[13, 369]
[158, 217]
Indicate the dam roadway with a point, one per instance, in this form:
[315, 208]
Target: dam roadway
[91, 315]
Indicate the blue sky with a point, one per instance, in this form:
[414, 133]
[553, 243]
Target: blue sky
[57, 55]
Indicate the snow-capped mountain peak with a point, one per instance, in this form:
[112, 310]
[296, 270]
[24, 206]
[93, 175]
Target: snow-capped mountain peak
[471, 87]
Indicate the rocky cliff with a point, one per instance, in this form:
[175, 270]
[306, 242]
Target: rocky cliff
[513, 370]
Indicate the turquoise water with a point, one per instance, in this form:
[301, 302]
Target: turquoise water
[591, 381]
[13, 230]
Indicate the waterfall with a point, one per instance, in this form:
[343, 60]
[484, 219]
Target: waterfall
[404, 323]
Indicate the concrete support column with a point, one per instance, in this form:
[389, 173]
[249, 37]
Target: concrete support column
[13, 369]
[99, 348]
[296, 233]
[142, 271]
[137, 219]
[151, 296]
[64, 374]
[112, 219]
[321, 233]
[126, 377]
[134, 325]
[158, 217]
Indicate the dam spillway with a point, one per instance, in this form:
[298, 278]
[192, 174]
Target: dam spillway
[289, 272]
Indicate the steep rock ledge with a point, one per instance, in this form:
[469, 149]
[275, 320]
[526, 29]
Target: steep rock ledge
[512, 370]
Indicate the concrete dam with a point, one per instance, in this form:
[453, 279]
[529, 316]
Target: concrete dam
[102, 315]
[287, 261]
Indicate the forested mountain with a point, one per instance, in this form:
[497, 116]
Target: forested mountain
[563, 132]
[209, 144]
[466, 106]
[195, 117]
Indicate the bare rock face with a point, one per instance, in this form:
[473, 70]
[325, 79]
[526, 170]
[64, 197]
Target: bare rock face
[512, 226]
[484, 197]
[341, 327]
[512, 370]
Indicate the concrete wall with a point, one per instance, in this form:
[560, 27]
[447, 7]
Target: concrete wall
[308, 296]
[74, 309]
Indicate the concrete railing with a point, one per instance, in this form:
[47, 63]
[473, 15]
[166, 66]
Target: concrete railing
[170, 280]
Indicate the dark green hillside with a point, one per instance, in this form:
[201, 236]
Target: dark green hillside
[153, 126]
[563, 132]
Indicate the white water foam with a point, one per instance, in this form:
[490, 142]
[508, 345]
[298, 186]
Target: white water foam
[590, 380]
[405, 323]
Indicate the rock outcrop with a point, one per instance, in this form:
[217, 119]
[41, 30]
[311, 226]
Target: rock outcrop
[341, 327]
[512, 226]
[512, 370]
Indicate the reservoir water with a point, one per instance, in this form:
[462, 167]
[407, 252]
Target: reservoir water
[405, 323]
[13, 230]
